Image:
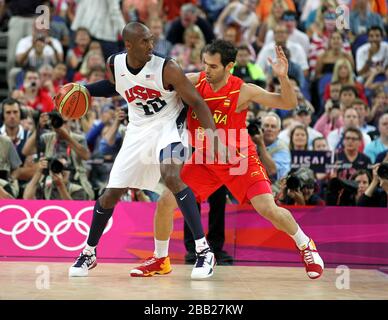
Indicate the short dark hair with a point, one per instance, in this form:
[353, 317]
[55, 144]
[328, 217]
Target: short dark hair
[226, 50]
[243, 47]
[29, 69]
[317, 139]
[359, 101]
[289, 13]
[374, 28]
[354, 130]
[9, 101]
[346, 88]
[361, 172]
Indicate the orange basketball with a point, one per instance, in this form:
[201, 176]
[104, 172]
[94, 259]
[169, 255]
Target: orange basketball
[72, 101]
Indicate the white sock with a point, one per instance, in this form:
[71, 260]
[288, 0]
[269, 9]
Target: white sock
[161, 248]
[89, 250]
[201, 244]
[301, 239]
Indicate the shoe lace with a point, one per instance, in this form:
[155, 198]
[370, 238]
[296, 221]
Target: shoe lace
[84, 259]
[201, 256]
[308, 257]
[149, 261]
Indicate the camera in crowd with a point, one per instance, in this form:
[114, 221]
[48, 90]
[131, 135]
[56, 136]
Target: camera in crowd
[55, 120]
[54, 165]
[382, 171]
[302, 178]
[254, 127]
[341, 192]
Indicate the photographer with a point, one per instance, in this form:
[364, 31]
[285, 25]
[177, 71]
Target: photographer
[51, 182]
[273, 153]
[374, 196]
[299, 188]
[59, 142]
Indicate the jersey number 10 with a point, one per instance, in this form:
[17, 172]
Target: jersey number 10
[152, 106]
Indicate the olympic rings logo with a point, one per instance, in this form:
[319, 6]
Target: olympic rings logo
[43, 228]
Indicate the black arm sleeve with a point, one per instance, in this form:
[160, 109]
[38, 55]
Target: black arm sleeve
[102, 88]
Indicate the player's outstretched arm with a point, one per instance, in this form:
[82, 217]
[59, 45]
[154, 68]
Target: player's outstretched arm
[174, 76]
[286, 99]
[104, 88]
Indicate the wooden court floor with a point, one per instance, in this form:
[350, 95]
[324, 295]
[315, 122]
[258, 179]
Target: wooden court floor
[41, 280]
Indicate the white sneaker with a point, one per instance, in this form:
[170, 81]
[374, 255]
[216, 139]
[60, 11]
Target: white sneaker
[85, 262]
[204, 265]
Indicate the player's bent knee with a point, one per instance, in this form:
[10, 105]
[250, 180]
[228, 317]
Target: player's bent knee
[270, 213]
[173, 181]
[110, 197]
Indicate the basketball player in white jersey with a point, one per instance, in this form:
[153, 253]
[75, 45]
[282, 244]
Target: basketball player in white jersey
[153, 88]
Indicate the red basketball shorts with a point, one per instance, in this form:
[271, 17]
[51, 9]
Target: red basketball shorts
[244, 180]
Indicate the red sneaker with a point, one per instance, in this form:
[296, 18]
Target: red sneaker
[152, 266]
[312, 261]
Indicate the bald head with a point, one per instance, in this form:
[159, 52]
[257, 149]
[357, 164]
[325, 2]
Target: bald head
[134, 30]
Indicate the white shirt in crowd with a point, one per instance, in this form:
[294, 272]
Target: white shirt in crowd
[296, 36]
[297, 55]
[380, 57]
[104, 21]
[48, 53]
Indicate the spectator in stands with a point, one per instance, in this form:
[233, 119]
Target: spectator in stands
[246, 70]
[362, 18]
[379, 106]
[51, 185]
[377, 78]
[278, 7]
[59, 76]
[301, 116]
[331, 119]
[372, 54]
[242, 14]
[380, 144]
[233, 34]
[188, 55]
[343, 73]
[20, 25]
[363, 110]
[38, 48]
[350, 159]
[75, 55]
[104, 22]
[327, 56]
[263, 8]
[348, 94]
[189, 15]
[35, 96]
[161, 45]
[274, 153]
[62, 143]
[11, 114]
[299, 138]
[320, 144]
[363, 179]
[305, 195]
[139, 10]
[289, 19]
[298, 55]
[58, 28]
[46, 79]
[93, 59]
[9, 164]
[374, 196]
[351, 120]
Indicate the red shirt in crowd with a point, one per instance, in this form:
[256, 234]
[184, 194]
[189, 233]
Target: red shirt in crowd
[43, 102]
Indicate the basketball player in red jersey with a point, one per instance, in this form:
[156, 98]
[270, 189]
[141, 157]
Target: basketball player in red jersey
[228, 97]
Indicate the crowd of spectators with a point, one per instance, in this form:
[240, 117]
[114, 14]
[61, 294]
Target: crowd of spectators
[340, 76]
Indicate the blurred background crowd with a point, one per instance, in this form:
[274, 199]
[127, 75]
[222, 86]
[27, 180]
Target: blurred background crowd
[326, 151]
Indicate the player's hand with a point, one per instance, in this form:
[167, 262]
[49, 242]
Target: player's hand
[280, 66]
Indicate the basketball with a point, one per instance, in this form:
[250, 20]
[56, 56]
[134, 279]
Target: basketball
[72, 101]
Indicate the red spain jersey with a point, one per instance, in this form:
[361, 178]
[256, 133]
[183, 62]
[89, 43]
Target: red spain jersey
[246, 177]
[223, 105]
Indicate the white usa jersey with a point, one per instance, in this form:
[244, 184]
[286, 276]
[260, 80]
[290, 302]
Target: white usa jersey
[147, 99]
